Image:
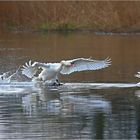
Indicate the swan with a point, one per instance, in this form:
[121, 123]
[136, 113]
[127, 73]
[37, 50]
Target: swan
[48, 72]
[137, 75]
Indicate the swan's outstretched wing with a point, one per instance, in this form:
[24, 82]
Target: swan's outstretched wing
[137, 75]
[30, 69]
[82, 64]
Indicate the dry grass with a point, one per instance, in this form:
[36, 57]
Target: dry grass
[98, 16]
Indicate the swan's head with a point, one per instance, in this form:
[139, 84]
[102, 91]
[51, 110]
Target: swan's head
[65, 63]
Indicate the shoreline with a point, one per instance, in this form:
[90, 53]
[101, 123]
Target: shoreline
[96, 32]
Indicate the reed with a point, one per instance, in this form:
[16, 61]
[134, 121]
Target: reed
[117, 16]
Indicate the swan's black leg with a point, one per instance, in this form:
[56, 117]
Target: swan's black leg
[56, 83]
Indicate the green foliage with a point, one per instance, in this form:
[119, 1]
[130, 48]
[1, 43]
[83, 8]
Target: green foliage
[44, 26]
[67, 26]
[10, 25]
[53, 26]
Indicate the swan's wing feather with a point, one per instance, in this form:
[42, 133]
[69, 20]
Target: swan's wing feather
[83, 64]
[29, 69]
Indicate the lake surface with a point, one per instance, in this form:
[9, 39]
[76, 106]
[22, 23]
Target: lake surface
[102, 104]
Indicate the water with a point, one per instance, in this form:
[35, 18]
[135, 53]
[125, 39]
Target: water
[104, 104]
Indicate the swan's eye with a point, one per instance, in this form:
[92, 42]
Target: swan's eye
[72, 63]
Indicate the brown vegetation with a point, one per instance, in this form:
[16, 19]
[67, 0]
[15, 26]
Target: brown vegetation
[97, 16]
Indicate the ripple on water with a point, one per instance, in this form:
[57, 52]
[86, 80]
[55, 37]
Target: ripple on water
[70, 111]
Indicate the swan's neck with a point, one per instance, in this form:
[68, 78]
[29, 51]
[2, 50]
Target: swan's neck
[65, 63]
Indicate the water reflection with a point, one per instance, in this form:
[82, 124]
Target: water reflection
[44, 100]
[83, 114]
[137, 93]
[72, 114]
[64, 102]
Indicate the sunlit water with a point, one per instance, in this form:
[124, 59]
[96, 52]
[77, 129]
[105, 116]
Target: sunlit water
[104, 104]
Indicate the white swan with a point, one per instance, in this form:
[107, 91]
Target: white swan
[49, 71]
[137, 75]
